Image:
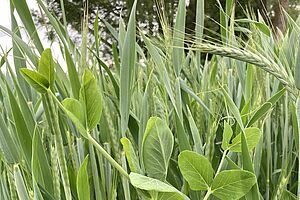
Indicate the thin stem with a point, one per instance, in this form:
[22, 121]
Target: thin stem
[218, 170]
[96, 144]
[207, 194]
[221, 162]
[107, 156]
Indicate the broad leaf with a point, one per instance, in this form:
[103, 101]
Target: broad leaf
[232, 184]
[149, 184]
[157, 148]
[196, 169]
[90, 97]
[36, 80]
[46, 66]
[75, 107]
[252, 137]
[170, 196]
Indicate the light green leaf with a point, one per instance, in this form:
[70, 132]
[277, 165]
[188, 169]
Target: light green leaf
[157, 148]
[132, 159]
[46, 66]
[82, 182]
[227, 134]
[73, 118]
[74, 106]
[196, 169]
[146, 183]
[232, 184]
[36, 80]
[170, 196]
[252, 137]
[90, 97]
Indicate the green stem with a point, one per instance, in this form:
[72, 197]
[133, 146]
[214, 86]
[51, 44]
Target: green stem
[95, 143]
[207, 194]
[107, 156]
[221, 162]
[218, 171]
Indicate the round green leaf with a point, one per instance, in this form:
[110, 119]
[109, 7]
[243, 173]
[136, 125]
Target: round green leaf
[157, 148]
[74, 106]
[252, 138]
[147, 183]
[46, 66]
[196, 169]
[232, 184]
[90, 97]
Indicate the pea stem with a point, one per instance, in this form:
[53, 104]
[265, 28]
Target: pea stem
[96, 144]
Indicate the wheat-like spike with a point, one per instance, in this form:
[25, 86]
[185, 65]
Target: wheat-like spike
[253, 58]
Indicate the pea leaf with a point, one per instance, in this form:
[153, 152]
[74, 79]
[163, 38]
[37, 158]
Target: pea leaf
[170, 196]
[252, 137]
[157, 147]
[90, 97]
[196, 169]
[227, 134]
[46, 66]
[163, 190]
[36, 80]
[76, 121]
[147, 183]
[75, 106]
[232, 184]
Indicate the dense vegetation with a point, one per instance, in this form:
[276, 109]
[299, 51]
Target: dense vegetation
[159, 123]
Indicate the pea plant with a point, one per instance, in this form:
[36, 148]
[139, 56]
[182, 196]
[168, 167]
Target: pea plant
[176, 116]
